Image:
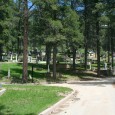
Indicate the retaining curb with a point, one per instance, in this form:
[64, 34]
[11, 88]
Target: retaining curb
[53, 108]
[2, 91]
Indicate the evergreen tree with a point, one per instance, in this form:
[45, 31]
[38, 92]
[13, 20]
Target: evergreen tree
[72, 31]
[5, 25]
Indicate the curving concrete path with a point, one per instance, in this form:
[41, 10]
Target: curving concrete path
[93, 98]
[2, 91]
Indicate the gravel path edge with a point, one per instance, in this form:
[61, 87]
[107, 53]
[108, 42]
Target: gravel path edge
[2, 91]
[53, 108]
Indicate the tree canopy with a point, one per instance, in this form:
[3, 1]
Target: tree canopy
[72, 24]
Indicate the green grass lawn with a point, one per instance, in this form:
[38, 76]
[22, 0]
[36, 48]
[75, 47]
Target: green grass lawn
[40, 73]
[16, 71]
[29, 100]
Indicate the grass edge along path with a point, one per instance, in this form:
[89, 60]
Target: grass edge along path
[30, 99]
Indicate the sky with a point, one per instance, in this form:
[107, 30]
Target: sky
[79, 7]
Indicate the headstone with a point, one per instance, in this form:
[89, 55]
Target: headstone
[29, 58]
[48, 68]
[9, 73]
[0, 85]
[93, 68]
[71, 60]
[111, 68]
[0, 67]
[30, 76]
[105, 66]
[90, 65]
[11, 57]
[114, 70]
[16, 58]
[2, 57]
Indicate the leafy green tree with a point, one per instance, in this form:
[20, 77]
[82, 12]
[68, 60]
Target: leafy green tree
[55, 30]
[72, 31]
[18, 25]
[111, 24]
[86, 29]
[48, 28]
[6, 14]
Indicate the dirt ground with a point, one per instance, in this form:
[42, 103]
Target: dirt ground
[92, 98]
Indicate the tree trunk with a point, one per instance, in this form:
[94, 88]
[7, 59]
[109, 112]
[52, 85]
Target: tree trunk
[54, 61]
[112, 61]
[112, 47]
[1, 52]
[74, 57]
[86, 50]
[48, 54]
[108, 49]
[108, 56]
[98, 47]
[72, 4]
[18, 38]
[25, 43]
[86, 33]
[19, 30]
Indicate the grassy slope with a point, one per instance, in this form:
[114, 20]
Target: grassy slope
[40, 71]
[16, 71]
[29, 100]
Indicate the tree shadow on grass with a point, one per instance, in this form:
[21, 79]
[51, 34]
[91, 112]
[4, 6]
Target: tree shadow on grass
[35, 65]
[100, 82]
[87, 75]
[94, 83]
[81, 74]
[40, 72]
[39, 66]
[3, 73]
[17, 75]
[30, 114]
[5, 110]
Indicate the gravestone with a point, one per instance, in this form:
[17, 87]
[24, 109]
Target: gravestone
[9, 73]
[114, 70]
[16, 58]
[11, 57]
[0, 85]
[0, 67]
[93, 68]
[105, 66]
[89, 64]
[48, 68]
[30, 76]
[29, 58]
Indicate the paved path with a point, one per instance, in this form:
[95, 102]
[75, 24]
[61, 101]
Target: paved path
[93, 98]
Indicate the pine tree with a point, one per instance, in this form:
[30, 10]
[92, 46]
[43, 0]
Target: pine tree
[72, 31]
[25, 43]
[5, 25]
